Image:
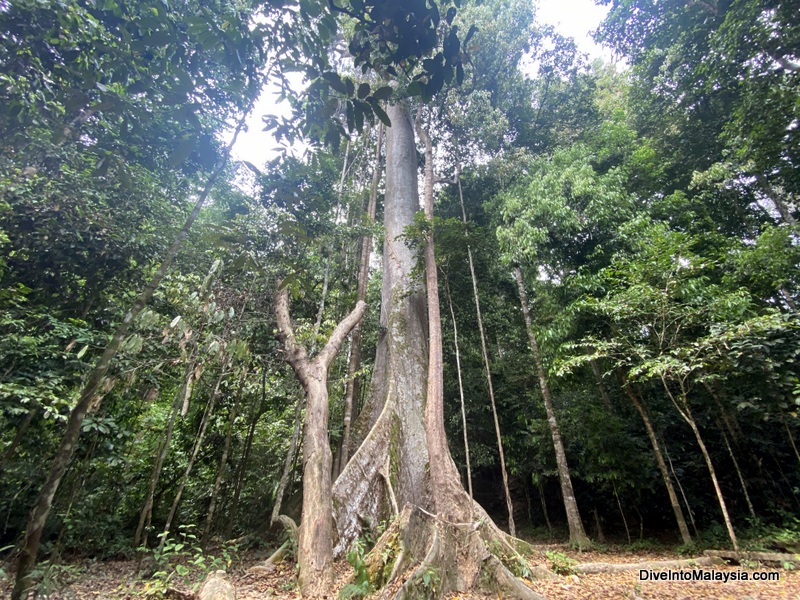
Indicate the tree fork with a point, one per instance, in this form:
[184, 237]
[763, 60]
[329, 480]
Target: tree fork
[315, 539]
[89, 394]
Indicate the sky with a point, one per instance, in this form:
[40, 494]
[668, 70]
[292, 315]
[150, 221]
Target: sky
[574, 18]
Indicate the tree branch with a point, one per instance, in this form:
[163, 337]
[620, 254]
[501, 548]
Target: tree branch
[296, 354]
[325, 357]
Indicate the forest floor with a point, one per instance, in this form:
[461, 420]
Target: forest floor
[118, 580]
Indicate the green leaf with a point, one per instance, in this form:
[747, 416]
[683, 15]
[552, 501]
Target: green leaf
[335, 82]
[382, 93]
[363, 91]
[415, 88]
[381, 114]
[472, 31]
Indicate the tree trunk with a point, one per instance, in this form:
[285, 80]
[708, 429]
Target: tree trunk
[390, 423]
[487, 369]
[223, 461]
[791, 438]
[738, 472]
[354, 362]
[444, 474]
[140, 537]
[622, 512]
[662, 466]
[315, 539]
[461, 391]
[91, 391]
[434, 530]
[241, 468]
[686, 413]
[683, 493]
[198, 443]
[577, 535]
[544, 507]
[22, 429]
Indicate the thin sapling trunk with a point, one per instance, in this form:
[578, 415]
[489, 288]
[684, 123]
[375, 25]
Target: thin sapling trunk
[577, 534]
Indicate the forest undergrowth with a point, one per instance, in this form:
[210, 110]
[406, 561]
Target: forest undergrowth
[126, 580]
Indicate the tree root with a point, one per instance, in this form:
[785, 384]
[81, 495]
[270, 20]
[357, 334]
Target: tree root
[777, 557]
[217, 587]
[437, 556]
[589, 568]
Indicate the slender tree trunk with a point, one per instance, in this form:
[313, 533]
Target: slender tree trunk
[487, 368]
[791, 438]
[544, 507]
[22, 429]
[738, 472]
[90, 392]
[354, 362]
[198, 443]
[577, 535]
[622, 512]
[444, 474]
[146, 514]
[259, 407]
[662, 466]
[223, 461]
[601, 538]
[460, 389]
[289, 461]
[686, 413]
[683, 493]
[315, 539]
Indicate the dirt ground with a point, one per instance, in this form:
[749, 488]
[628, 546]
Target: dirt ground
[118, 580]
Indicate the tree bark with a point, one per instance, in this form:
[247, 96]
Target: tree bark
[354, 362]
[444, 474]
[577, 535]
[662, 466]
[391, 423]
[90, 392]
[315, 539]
